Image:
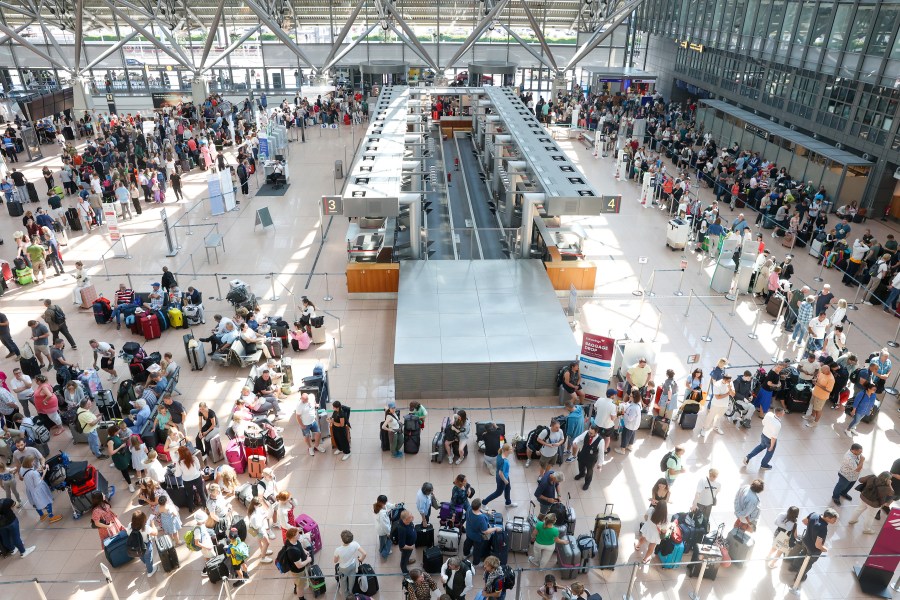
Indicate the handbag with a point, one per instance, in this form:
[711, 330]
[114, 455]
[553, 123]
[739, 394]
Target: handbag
[726, 556]
[738, 524]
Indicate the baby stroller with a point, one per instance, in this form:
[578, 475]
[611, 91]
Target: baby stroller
[740, 412]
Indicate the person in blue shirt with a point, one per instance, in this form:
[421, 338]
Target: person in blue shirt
[862, 407]
[478, 527]
[502, 477]
[574, 426]
[547, 491]
[842, 230]
[425, 501]
[739, 224]
[139, 416]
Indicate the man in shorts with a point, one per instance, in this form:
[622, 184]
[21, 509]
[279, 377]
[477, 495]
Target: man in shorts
[308, 418]
[637, 376]
[550, 440]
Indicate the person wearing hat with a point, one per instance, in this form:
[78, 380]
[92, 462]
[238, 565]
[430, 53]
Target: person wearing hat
[239, 553]
[157, 298]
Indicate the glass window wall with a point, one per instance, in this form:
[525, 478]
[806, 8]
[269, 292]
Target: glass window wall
[862, 25]
[841, 24]
[885, 26]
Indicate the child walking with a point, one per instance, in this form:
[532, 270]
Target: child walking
[138, 454]
[169, 519]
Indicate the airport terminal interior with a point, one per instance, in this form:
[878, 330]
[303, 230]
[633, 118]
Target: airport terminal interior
[421, 204]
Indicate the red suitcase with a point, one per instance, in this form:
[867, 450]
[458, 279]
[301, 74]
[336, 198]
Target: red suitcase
[258, 451]
[7, 271]
[161, 452]
[89, 485]
[150, 327]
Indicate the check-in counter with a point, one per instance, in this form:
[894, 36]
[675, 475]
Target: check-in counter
[564, 274]
[373, 278]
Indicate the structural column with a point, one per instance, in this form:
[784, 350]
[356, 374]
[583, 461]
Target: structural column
[199, 90]
[81, 92]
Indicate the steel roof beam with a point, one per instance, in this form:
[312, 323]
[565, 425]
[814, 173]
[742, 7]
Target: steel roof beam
[280, 33]
[346, 50]
[149, 36]
[343, 35]
[211, 33]
[13, 35]
[232, 47]
[539, 34]
[604, 30]
[416, 46]
[547, 61]
[476, 33]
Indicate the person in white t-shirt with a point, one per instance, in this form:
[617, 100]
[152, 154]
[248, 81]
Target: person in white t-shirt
[722, 392]
[605, 411]
[308, 417]
[817, 327]
[708, 489]
[347, 558]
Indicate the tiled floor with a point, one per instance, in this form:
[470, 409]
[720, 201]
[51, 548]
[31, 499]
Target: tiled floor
[339, 494]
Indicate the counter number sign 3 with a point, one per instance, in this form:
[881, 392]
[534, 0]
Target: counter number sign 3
[332, 205]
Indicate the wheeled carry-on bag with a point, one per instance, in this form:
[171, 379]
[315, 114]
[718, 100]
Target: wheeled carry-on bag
[608, 548]
[518, 532]
[449, 540]
[671, 560]
[116, 551]
[569, 558]
[660, 427]
[432, 559]
[740, 545]
[366, 581]
[168, 554]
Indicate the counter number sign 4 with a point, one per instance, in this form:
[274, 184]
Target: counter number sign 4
[332, 205]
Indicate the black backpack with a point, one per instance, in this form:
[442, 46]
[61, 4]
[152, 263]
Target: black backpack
[135, 545]
[394, 517]
[560, 376]
[533, 436]
[663, 464]
[509, 578]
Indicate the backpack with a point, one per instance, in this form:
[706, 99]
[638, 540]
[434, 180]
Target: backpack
[663, 466]
[560, 376]
[59, 317]
[873, 270]
[79, 426]
[394, 517]
[533, 436]
[135, 545]
[40, 433]
[240, 551]
[189, 541]
[509, 578]
[281, 561]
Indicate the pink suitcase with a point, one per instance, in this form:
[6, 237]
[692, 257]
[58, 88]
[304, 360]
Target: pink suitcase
[88, 295]
[307, 524]
[236, 456]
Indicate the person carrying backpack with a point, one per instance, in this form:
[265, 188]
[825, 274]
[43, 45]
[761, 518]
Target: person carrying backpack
[238, 552]
[140, 544]
[293, 559]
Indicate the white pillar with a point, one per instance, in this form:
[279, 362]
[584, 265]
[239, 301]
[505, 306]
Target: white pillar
[82, 98]
[199, 90]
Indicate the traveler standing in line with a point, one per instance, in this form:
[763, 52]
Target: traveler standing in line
[141, 524]
[103, 519]
[347, 558]
[708, 489]
[340, 430]
[297, 559]
[652, 529]
[785, 535]
[605, 411]
[574, 426]
[421, 585]
[768, 439]
[37, 490]
[848, 473]
[308, 419]
[406, 540]
[117, 448]
[456, 575]
[547, 537]
[863, 405]
[89, 423]
[258, 525]
[550, 440]
[425, 501]
[823, 384]
[56, 320]
[209, 428]
[391, 425]
[631, 422]
[722, 391]
[746, 505]
[816, 532]
[6, 337]
[190, 470]
[382, 509]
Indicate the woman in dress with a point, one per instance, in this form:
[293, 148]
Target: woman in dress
[37, 491]
[340, 430]
[653, 529]
[104, 520]
[785, 535]
[138, 451]
[117, 447]
[47, 403]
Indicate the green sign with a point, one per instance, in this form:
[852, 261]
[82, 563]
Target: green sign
[263, 218]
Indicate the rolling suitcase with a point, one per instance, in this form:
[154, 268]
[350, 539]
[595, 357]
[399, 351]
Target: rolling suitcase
[174, 488]
[316, 580]
[449, 539]
[518, 532]
[608, 548]
[216, 452]
[412, 440]
[176, 318]
[275, 346]
[308, 525]
[660, 427]
[569, 559]
[15, 209]
[73, 219]
[710, 553]
[191, 314]
[217, 568]
[671, 560]
[255, 465]
[688, 420]
[424, 535]
[318, 335]
[366, 582]
[168, 554]
[275, 447]
[607, 520]
[32, 192]
[196, 352]
[236, 456]
[150, 327]
[438, 452]
[740, 545]
[773, 306]
[385, 440]
[115, 549]
[432, 559]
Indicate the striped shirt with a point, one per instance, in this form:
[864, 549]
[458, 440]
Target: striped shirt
[805, 312]
[124, 296]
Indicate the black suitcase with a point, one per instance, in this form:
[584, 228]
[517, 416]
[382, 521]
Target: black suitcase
[168, 555]
[178, 494]
[740, 544]
[275, 447]
[366, 581]
[609, 548]
[15, 209]
[712, 568]
[32, 192]
[73, 220]
[424, 536]
[30, 366]
[412, 440]
[688, 420]
[799, 397]
[316, 580]
[217, 568]
[660, 428]
[872, 414]
[385, 441]
[432, 559]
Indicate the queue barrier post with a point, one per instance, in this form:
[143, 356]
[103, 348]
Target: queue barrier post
[218, 287]
[706, 337]
[893, 343]
[690, 298]
[631, 581]
[39, 589]
[752, 335]
[328, 297]
[695, 593]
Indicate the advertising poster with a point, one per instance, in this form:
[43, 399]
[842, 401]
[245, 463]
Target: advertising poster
[595, 363]
[888, 542]
[216, 199]
[263, 146]
[111, 220]
[168, 99]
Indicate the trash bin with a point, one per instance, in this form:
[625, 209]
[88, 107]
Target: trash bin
[338, 169]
